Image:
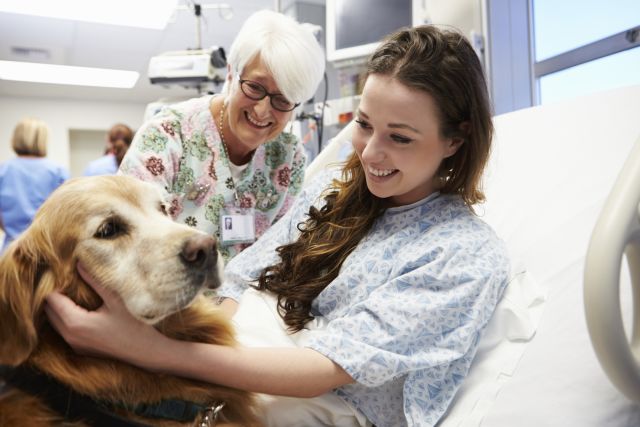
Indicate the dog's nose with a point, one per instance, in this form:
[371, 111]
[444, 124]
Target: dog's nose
[199, 251]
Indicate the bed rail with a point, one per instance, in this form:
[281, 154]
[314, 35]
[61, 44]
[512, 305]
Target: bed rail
[617, 232]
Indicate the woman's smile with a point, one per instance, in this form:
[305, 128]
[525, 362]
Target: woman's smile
[378, 175]
[260, 124]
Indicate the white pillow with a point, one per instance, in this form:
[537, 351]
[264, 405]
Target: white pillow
[511, 328]
[551, 169]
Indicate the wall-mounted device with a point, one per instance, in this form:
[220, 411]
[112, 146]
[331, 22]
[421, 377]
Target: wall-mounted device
[188, 68]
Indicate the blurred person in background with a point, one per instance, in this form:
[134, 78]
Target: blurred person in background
[28, 179]
[118, 141]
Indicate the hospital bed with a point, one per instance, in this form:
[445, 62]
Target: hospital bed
[551, 171]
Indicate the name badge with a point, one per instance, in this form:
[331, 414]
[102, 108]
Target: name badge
[237, 225]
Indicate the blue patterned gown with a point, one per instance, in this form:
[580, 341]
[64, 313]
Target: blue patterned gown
[405, 314]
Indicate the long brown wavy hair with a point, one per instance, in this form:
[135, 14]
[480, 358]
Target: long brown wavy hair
[439, 62]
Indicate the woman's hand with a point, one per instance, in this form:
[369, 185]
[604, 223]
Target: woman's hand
[108, 331]
[113, 332]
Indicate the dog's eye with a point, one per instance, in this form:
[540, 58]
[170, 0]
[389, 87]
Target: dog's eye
[109, 229]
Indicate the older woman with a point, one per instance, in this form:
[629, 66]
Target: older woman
[228, 156]
[28, 179]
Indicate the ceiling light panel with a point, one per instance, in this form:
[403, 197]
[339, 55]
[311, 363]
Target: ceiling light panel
[67, 75]
[153, 14]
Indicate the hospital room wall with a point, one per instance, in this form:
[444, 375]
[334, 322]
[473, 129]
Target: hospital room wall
[66, 116]
[63, 117]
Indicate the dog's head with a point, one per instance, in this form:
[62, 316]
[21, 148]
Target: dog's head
[118, 228]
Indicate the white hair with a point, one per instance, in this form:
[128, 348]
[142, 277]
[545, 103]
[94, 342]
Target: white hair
[287, 48]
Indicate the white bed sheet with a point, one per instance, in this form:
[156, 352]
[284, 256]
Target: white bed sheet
[550, 173]
[258, 324]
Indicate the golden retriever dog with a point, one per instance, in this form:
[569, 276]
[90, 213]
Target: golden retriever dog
[117, 227]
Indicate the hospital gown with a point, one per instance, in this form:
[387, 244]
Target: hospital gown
[405, 314]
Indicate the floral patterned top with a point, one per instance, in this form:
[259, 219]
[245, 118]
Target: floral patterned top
[180, 150]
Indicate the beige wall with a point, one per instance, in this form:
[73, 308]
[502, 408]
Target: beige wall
[63, 117]
[84, 147]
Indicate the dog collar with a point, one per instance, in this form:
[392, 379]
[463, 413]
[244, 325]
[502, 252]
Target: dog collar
[177, 410]
[75, 406]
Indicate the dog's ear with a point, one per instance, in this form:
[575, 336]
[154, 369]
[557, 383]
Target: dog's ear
[18, 275]
[23, 268]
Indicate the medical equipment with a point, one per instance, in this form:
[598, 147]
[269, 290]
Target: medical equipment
[192, 68]
[188, 68]
[354, 28]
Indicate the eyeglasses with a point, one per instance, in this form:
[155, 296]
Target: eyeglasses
[254, 90]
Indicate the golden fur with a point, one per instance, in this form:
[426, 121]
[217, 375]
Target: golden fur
[116, 227]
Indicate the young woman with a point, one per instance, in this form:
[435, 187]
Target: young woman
[223, 155]
[383, 274]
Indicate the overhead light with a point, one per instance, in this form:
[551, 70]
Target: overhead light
[67, 75]
[152, 14]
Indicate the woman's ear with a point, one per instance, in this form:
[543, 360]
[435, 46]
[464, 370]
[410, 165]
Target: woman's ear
[454, 145]
[456, 141]
[226, 87]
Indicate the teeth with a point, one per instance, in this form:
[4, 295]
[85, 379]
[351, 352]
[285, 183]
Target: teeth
[256, 122]
[380, 172]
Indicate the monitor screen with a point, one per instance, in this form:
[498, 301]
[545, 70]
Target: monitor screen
[355, 27]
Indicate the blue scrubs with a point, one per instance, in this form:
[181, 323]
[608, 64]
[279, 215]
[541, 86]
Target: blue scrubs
[105, 165]
[25, 183]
